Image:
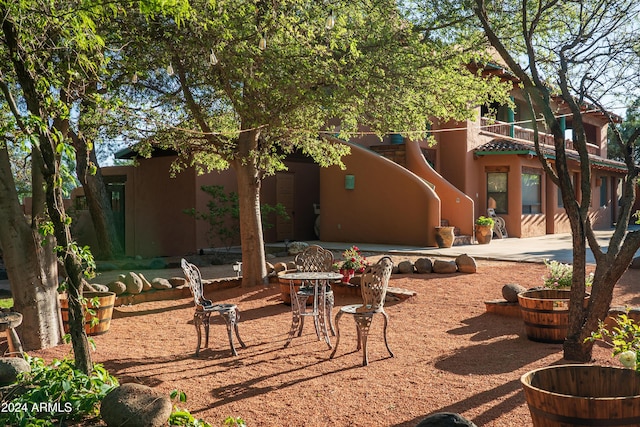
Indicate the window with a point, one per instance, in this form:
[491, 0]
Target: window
[604, 200]
[531, 194]
[497, 191]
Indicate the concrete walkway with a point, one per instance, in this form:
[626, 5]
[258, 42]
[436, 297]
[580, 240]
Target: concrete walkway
[531, 249]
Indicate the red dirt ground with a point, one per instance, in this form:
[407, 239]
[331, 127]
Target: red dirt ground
[450, 355]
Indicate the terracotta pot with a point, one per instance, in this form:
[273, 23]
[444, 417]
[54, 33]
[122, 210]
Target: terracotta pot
[445, 236]
[484, 233]
[582, 395]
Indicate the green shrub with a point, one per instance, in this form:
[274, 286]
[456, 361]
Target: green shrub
[624, 338]
[483, 220]
[52, 394]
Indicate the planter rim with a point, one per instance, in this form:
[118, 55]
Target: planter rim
[546, 368]
[527, 294]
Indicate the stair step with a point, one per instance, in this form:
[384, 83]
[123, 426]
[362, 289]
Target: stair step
[462, 239]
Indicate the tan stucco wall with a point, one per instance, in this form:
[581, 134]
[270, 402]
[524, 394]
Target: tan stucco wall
[456, 206]
[389, 204]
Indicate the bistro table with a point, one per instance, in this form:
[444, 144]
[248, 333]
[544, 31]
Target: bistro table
[320, 281]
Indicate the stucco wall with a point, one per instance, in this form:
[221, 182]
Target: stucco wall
[388, 204]
[456, 206]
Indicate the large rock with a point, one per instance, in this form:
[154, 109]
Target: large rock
[510, 291]
[444, 267]
[466, 264]
[133, 283]
[445, 419]
[135, 405]
[177, 282]
[160, 283]
[146, 285]
[423, 265]
[100, 288]
[117, 287]
[280, 266]
[297, 247]
[10, 367]
[405, 267]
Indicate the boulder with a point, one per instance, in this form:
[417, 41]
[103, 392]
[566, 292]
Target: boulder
[444, 267]
[510, 291]
[445, 419]
[176, 282]
[280, 266]
[270, 268]
[146, 285]
[160, 283]
[88, 287]
[133, 283]
[135, 405]
[117, 287]
[10, 367]
[423, 265]
[296, 247]
[100, 288]
[466, 264]
[405, 267]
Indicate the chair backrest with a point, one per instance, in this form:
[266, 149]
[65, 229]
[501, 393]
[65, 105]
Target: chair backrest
[192, 274]
[375, 281]
[314, 258]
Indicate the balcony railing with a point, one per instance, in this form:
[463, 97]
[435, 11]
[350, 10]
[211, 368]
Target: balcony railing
[518, 132]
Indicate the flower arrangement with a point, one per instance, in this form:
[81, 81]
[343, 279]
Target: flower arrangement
[353, 260]
[624, 338]
[559, 275]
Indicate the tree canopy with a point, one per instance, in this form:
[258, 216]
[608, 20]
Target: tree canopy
[244, 84]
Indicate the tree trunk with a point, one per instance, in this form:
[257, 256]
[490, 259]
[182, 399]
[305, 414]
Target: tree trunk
[72, 262]
[31, 267]
[254, 269]
[109, 246]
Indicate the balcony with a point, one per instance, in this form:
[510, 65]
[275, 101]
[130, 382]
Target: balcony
[505, 129]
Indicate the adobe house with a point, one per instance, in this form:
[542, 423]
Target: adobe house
[394, 191]
[398, 190]
[149, 204]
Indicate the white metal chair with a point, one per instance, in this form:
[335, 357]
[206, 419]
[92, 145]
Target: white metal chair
[313, 258]
[500, 227]
[205, 307]
[374, 284]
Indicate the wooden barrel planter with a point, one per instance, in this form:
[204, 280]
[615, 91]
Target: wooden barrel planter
[583, 395]
[546, 314]
[103, 312]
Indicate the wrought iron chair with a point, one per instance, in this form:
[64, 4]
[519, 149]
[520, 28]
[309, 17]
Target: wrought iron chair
[374, 284]
[205, 307]
[313, 258]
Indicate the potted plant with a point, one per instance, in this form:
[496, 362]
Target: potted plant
[580, 395]
[484, 230]
[353, 262]
[546, 311]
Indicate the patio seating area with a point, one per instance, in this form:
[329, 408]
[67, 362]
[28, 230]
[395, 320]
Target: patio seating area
[452, 356]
